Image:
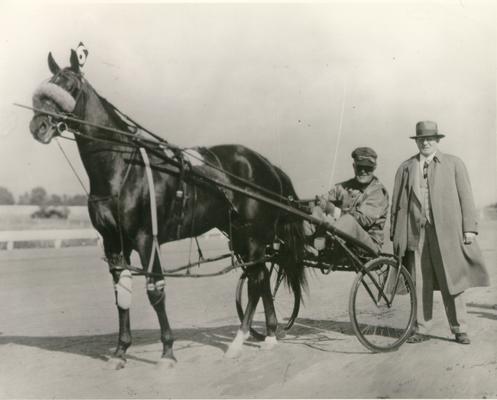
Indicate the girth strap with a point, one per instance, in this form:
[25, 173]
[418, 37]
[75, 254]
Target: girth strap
[153, 212]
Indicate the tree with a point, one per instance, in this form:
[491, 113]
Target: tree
[78, 200]
[55, 200]
[23, 199]
[38, 196]
[5, 196]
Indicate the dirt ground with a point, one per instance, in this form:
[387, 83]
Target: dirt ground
[59, 324]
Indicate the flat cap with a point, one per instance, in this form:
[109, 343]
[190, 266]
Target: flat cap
[365, 156]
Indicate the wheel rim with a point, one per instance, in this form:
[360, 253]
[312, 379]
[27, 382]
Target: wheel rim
[381, 326]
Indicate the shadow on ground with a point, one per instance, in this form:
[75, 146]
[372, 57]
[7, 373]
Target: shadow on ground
[306, 331]
[483, 314]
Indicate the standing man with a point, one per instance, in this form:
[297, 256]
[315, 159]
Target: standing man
[433, 226]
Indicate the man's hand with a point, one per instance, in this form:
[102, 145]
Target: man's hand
[325, 205]
[469, 237]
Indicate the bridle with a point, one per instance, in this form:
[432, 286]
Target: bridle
[77, 92]
[60, 120]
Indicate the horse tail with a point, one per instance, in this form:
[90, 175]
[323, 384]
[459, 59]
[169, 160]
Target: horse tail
[290, 230]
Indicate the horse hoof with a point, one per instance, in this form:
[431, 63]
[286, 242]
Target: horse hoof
[281, 334]
[166, 363]
[233, 352]
[269, 343]
[116, 363]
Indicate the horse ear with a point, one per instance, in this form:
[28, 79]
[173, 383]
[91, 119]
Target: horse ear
[54, 68]
[74, 61]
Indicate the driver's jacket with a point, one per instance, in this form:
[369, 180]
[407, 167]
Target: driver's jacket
[368, 205]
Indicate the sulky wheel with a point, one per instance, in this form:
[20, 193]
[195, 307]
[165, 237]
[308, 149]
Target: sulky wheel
[382, 305]
[286, 303]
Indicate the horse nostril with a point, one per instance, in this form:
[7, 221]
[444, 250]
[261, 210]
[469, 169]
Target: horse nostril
[38, 125]
[43, 127]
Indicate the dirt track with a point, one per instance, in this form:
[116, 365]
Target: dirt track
[59, 324]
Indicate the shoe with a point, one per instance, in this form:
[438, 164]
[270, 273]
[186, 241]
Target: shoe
[462, 338]
[417, 338]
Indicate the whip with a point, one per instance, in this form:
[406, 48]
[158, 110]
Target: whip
[337, 145]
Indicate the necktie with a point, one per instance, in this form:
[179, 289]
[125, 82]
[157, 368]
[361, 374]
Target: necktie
[425, 169]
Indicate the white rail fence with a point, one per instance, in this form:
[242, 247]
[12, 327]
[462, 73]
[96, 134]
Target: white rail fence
[19, 230]
[57, 236]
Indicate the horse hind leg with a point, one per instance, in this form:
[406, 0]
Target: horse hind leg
[270, 340]
[243, 333]
[258, 286]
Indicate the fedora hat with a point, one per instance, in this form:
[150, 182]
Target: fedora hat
[426, 129]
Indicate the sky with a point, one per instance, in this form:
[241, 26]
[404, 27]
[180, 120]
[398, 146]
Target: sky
[303, 84]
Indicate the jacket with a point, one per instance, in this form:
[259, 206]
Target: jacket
[453, 211]
[368, 205]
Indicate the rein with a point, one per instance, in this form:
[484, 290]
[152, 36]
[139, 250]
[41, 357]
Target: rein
[199, 177]
[139, 141]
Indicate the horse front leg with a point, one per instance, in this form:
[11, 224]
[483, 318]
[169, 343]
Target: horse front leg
[157, 297]
[123, 291]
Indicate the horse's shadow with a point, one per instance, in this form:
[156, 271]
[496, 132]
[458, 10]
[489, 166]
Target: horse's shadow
[305, 331]
[102, 346]
[306, 326]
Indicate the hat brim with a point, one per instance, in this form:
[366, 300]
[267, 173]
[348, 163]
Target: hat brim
[365, 163]
[437, 135]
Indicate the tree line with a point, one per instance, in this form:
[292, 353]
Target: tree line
[38, 196]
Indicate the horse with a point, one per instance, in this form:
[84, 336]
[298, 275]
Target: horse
[119, 204]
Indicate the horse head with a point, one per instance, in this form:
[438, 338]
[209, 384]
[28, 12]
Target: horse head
[58, 95]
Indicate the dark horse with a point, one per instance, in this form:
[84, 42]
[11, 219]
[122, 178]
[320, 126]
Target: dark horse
[119, 203]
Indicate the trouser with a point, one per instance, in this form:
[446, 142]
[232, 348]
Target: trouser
[346, 223]
[426, 267]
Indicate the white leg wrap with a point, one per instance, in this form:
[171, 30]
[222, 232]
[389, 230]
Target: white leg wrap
[270, 341]
[159, 285]
[124, 290]
[240, 337]
[235, 347]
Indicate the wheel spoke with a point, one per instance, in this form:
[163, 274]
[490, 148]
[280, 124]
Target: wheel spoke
[286, 303]
[382, 305]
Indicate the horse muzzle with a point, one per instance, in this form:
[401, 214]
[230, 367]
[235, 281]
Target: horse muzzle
[43, 128]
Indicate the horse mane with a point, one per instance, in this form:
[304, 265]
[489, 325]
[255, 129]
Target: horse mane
[120, 120]
[116, 116]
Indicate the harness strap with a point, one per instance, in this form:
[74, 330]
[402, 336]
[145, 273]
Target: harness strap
[153, 211]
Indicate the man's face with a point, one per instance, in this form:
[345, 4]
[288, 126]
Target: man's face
[427, 146]
[363, 173]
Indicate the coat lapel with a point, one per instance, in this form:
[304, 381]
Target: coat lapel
[413, 169]
[432, 169]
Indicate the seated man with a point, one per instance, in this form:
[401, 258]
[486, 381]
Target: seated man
[357, 206]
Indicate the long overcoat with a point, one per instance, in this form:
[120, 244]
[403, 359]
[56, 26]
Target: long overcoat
[453, 211]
